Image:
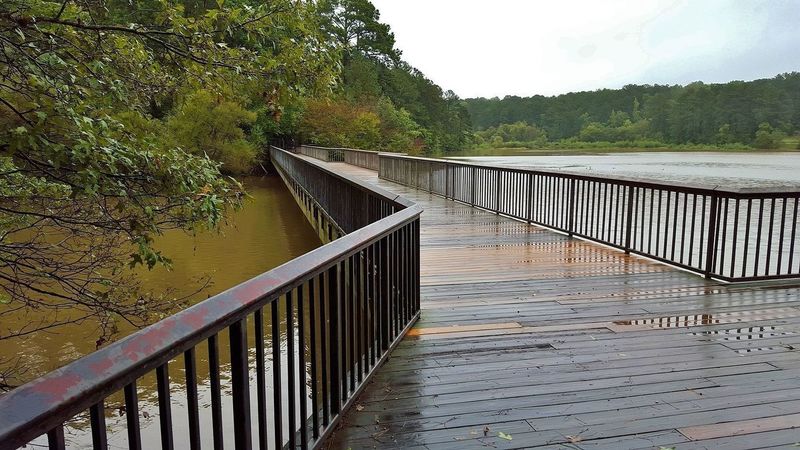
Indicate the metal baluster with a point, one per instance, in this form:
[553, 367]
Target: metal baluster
[97, 413]
[55, 438]
[712, 232]
[312, 328]
[291, 374]
[192, 406]
[164, 407]
[335, 340]
[324, 347]
[240, 382]
[277, 414]
[746, 236]
[132, 416]
[261, 382]
[216, 396]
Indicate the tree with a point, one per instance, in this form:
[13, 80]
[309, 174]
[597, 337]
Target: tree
[86, 178]
[768, 137]
[399, 132]
[360, 80]
[209, 124]
[724, 135]
[372, 71]
[341, 124]
[355, 25]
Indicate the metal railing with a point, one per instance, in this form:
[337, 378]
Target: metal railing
[328, 318]
[727, 234]
[361, 158]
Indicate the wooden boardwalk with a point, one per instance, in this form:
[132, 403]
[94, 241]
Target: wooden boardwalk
[529, 338]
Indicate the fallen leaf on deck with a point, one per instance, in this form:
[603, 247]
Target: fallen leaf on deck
[485, 431]
[574, 439]
[359, 407]
[502, 435]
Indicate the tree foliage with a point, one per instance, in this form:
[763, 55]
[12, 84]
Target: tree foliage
[115, 120]
[355, 26]
[697, 113]
[414, 113]
[513, 132]
[208, 124]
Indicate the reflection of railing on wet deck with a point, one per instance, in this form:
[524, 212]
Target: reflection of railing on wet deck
[727, 234]
[346, 303]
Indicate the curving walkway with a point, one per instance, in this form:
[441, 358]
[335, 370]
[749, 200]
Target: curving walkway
[529, 338]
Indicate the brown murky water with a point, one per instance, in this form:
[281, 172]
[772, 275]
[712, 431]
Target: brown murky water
[268, 231]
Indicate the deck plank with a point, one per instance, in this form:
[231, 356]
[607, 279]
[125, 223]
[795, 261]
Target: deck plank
[562, 343]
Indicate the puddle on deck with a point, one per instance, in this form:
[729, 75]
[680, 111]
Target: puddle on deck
[744, 334]
[693, 320]
[672, 321]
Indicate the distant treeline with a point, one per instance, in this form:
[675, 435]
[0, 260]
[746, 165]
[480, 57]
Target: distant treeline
[760, 113]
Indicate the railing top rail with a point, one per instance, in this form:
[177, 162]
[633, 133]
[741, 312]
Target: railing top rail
[40, 405]
[640, 182]
[362, 185]
[341, 148]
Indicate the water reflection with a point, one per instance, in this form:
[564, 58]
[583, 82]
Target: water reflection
[269, 230]
[693, 320]
[673, 321]
[740, 334]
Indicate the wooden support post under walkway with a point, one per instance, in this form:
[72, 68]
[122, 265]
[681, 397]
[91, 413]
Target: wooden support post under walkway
[529, 338]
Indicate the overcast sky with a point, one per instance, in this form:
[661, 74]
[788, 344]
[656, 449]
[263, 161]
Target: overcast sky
[516, 47]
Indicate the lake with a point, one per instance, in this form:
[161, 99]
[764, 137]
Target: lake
[267, 231]
[732, 169]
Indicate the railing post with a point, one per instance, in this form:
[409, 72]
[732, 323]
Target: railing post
[497, 193]
[712, 236]
[571, 219]
[447, 193]
[416, 184]
[452, 181]
[629, 220]
[529, 207]
[430, 177]
[472, 193]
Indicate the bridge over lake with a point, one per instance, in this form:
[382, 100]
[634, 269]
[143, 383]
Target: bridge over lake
[465, 306]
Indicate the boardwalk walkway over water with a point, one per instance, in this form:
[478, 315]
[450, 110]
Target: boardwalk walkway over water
[551, 341]
[458, 327]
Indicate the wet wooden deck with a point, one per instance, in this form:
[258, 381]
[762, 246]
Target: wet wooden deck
[529, 338]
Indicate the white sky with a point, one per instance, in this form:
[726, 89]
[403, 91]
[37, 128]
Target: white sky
[514, 47]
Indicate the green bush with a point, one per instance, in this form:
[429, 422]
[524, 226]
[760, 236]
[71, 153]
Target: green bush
[208, 123]
[767, 137]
